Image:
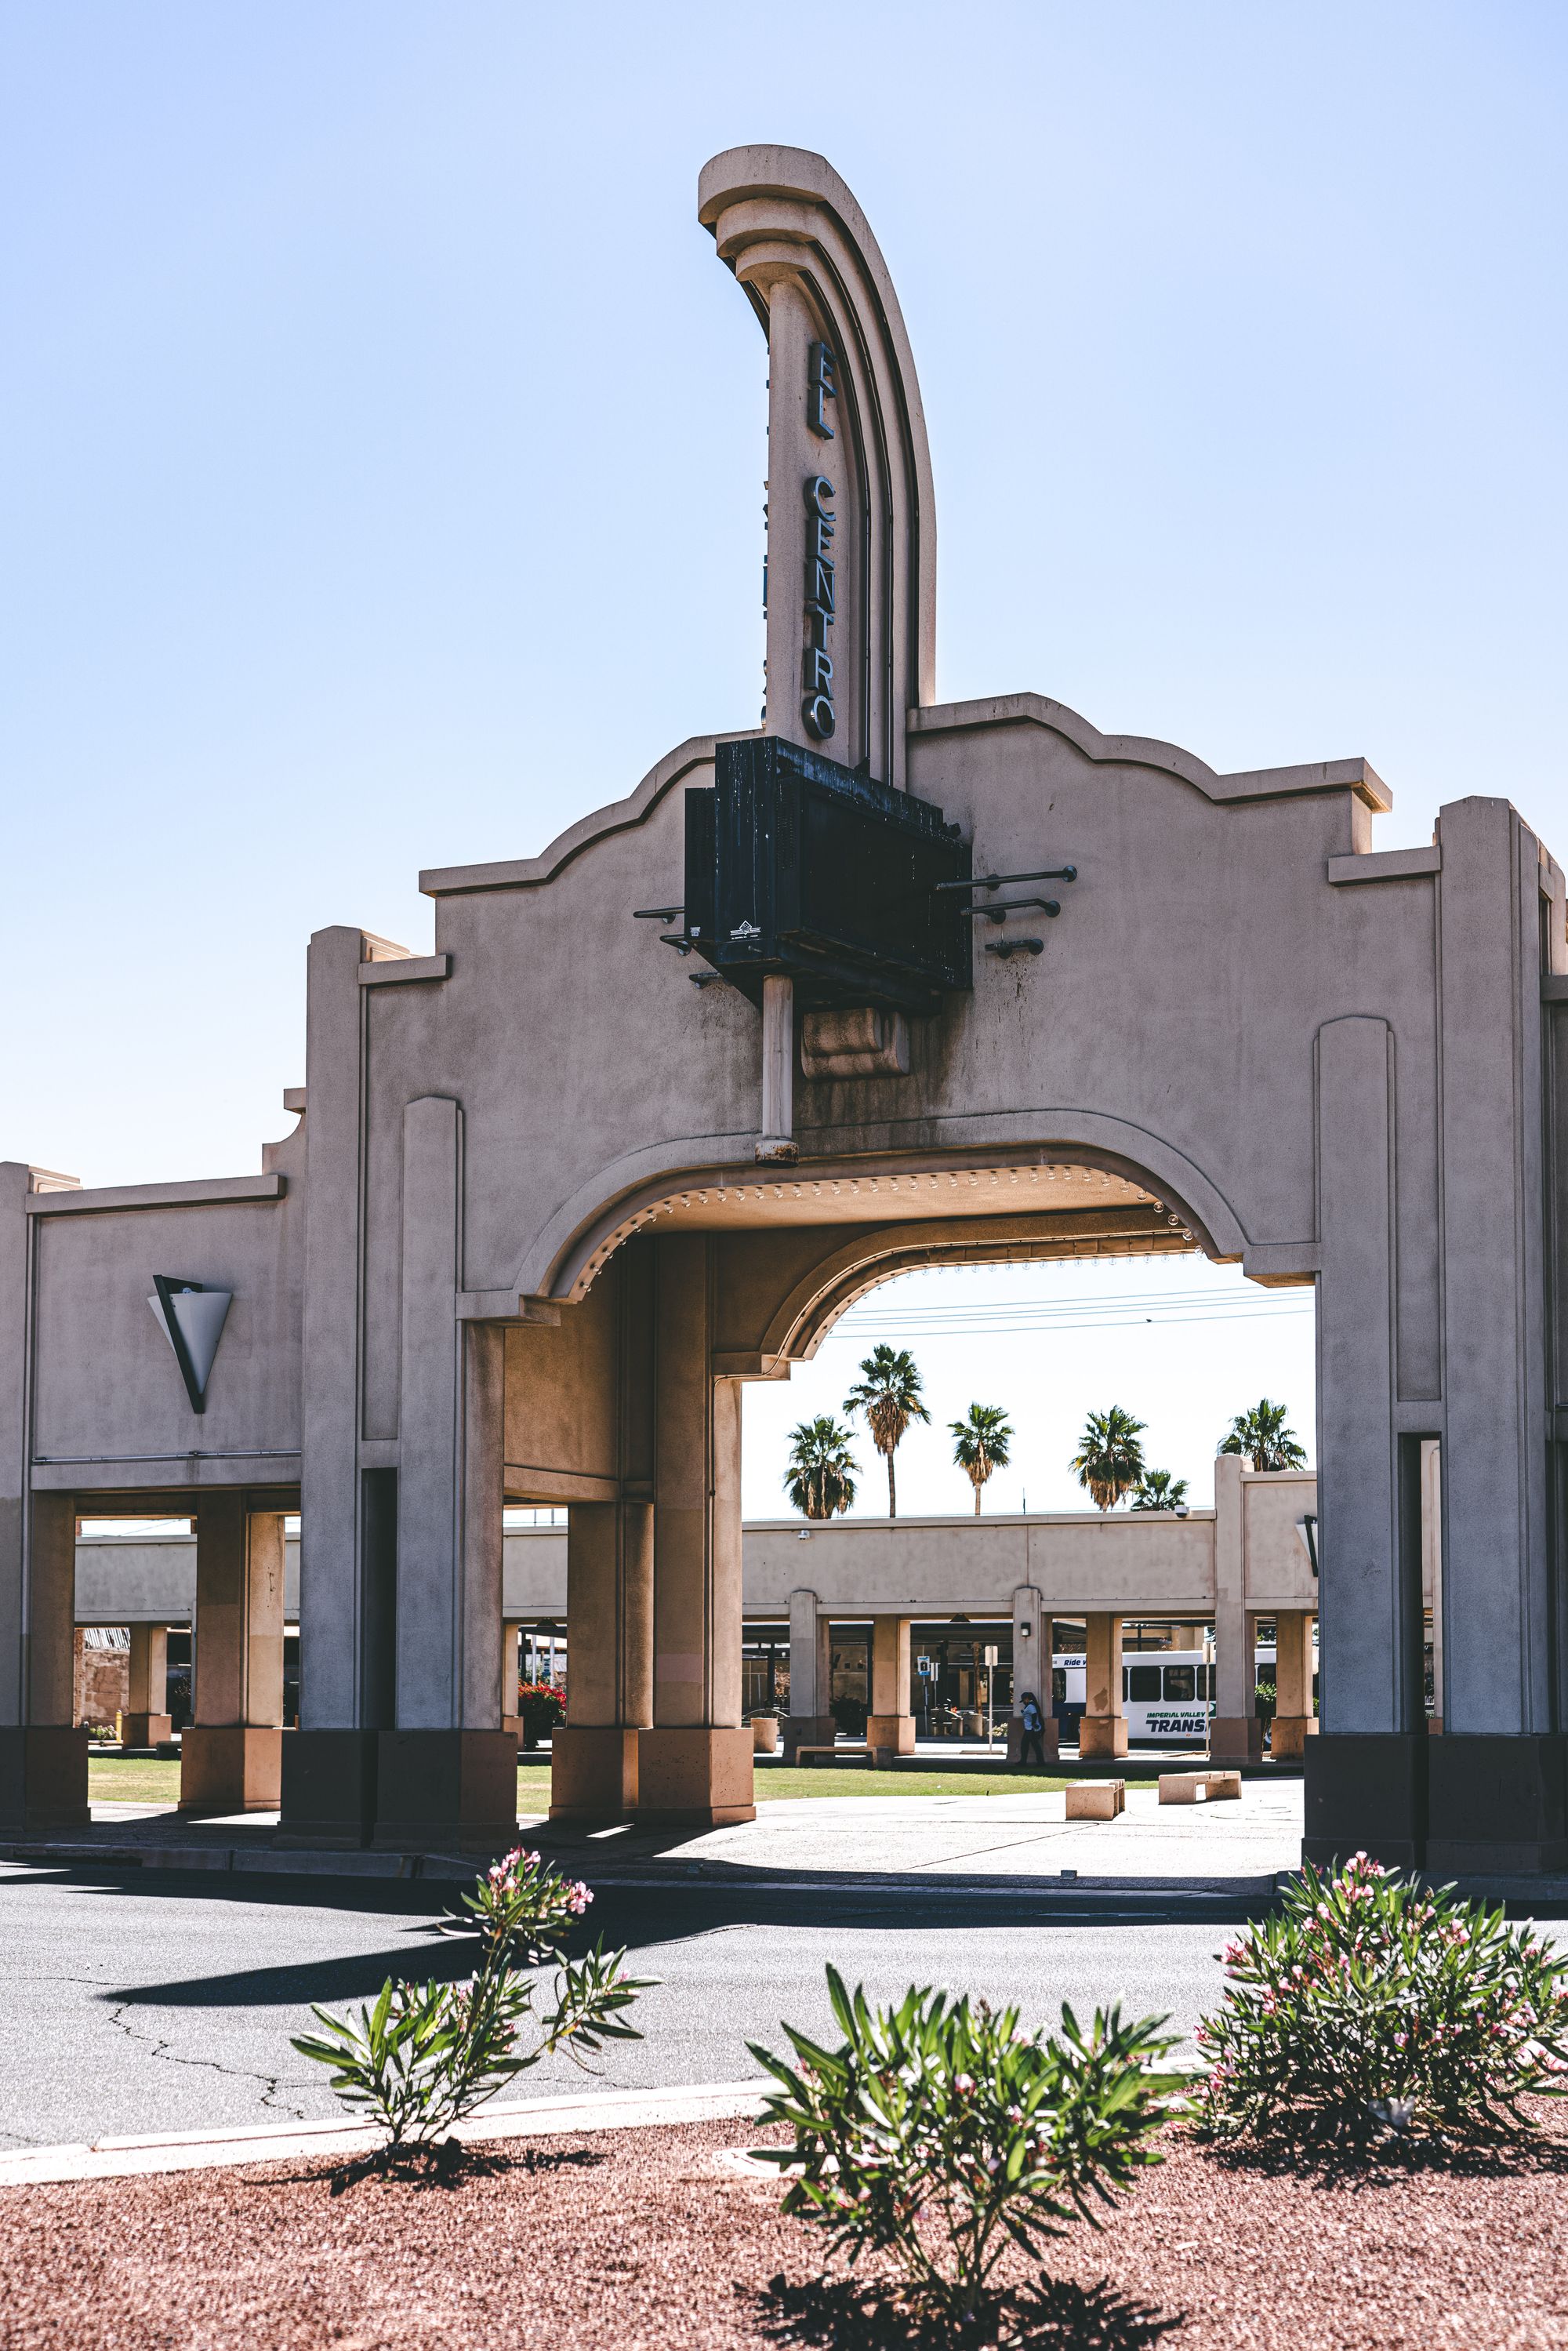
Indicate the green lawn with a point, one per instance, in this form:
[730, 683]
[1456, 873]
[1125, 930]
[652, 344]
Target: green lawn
[132, 1780]
[777, 1782]
[155, 1780]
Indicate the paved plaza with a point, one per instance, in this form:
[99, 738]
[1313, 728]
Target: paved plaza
[1242, 1845]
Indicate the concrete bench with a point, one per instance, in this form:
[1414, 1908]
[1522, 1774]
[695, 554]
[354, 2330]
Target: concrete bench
[1199, 1787]
[1096, 1800]
[837, 1754]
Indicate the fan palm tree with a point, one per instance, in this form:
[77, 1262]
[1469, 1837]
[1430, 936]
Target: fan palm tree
[1109, 1459]
[820, 1476]
[888, 1393]
[1264, 1438]
[981, 1442]
[1158, 1491]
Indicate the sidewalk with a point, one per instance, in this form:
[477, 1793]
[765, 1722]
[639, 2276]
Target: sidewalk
[884, 1844]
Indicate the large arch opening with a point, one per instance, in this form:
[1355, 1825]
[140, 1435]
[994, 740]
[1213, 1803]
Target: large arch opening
[796, 1260]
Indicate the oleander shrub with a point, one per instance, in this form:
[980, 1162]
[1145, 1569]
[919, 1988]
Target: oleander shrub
[940, 2132]
[1373, 2003]
[522, 1907]
[425, 2055]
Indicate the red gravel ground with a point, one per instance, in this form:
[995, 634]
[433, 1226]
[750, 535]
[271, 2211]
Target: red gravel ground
[646, 2239]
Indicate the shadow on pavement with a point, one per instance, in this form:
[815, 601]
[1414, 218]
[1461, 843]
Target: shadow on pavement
[639, 1919]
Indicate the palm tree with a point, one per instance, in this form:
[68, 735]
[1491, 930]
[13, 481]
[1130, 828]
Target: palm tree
[1262, 1435]
[1110, 1459]
[820, 1476]
[980, 1443]
[1158, 1491]
[888, 1393]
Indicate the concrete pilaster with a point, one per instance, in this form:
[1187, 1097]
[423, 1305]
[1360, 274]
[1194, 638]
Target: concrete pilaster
[348, 1518]
[1365, 1776]
[1492, 1809]
[448, 1771]
[1432, 1568]
[1104, 1728]
[146, 1721]
[43, 1756]
[231, 1756]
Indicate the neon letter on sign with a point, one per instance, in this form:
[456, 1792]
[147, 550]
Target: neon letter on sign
[817, 709]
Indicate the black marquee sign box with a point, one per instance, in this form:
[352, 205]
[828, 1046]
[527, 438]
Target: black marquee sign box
[796, 865]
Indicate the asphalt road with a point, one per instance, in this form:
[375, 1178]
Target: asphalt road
[138, 2003]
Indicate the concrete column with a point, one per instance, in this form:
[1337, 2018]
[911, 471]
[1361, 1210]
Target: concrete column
[146, 1720]
[610, 1584]
[43, 1754]
[609, 1603]
[1103, 1729]
[348, 1531]
[1294, 1721]
[448, 1773]
[890, 1727]
[231, 1755]
[1033, 1637]
[810, 1721]
[695, 1762]
[1235, 1733]
[1498, 1773]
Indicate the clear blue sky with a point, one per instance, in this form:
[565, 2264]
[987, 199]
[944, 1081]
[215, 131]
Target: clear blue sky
[382, 444]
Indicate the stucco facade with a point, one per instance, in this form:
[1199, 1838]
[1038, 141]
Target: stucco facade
[548, 1203]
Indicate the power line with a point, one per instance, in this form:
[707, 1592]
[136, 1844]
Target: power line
[1025, 1314]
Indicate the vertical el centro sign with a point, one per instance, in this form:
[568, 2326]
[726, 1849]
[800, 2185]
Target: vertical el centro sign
[821, 575]
[850, 521]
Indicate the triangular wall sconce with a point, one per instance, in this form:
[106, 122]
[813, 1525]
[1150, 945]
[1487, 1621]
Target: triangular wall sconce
[190, 1317]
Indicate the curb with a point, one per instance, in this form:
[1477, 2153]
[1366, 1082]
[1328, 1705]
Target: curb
[127, 2159]
[690, 1878]
[246, 1861]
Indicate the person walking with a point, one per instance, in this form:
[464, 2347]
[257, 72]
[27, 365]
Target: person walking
[1033, 1730]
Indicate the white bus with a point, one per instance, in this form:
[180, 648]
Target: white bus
[1167, 1695]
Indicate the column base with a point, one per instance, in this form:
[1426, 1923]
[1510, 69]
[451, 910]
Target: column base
[455, 1789]
[512, 1724]
[1102, 1734]
[1235, 1739]
[809, 1731]
[1365, 1792]
[1050, 1741]
[1290, 1735]
[699, 1778]
[43, 1777]
[1497, 1806]
[329, 1793]
[230, 1767]
[593, 1771]
[889, 1734]
[145, 1729]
